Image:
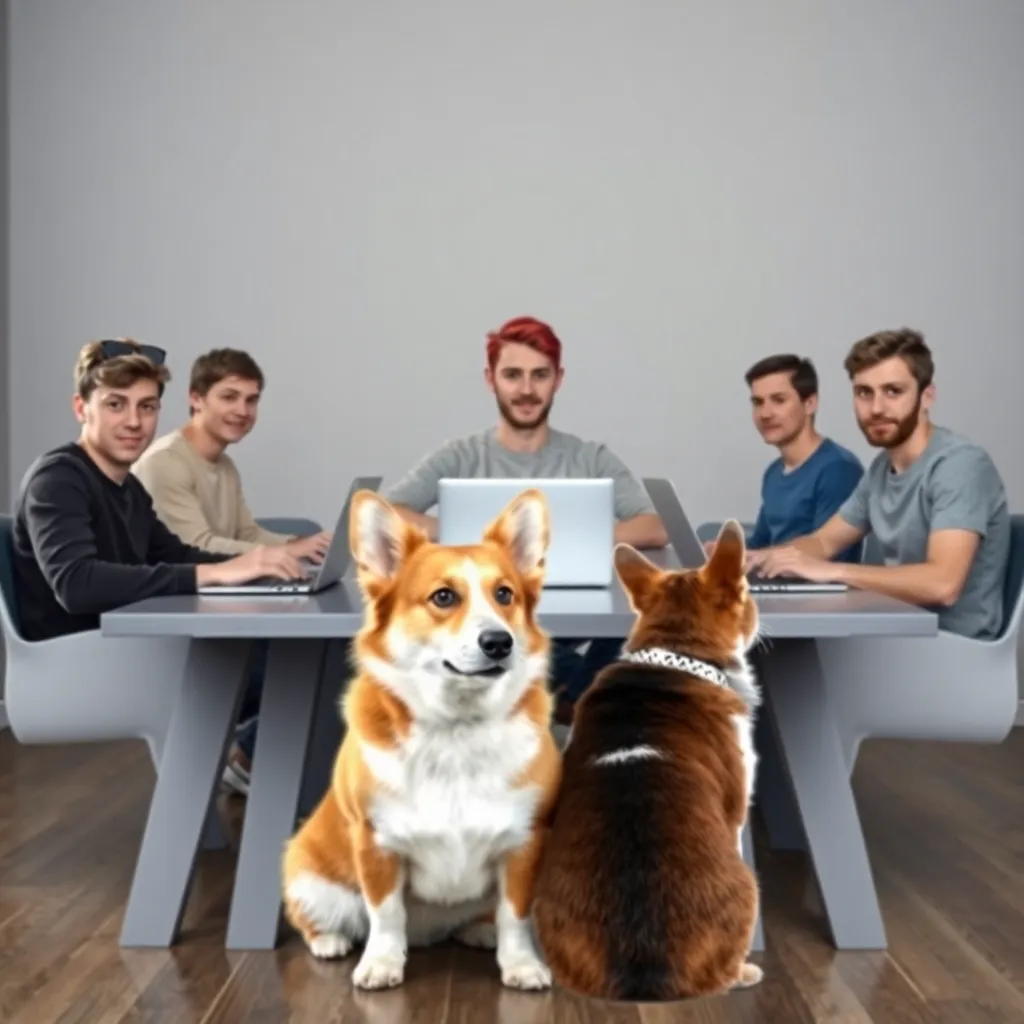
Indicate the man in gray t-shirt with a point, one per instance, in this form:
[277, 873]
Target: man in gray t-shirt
[933, 499]
[524, 371]
[954, 485]
[483, 455]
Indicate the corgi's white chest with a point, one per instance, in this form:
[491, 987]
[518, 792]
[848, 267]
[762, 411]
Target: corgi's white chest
[449, 806]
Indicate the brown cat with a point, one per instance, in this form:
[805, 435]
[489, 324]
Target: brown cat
[643, 893]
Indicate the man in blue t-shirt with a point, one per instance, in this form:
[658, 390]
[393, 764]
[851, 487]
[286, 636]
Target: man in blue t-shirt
[813, 475]
[933, 499]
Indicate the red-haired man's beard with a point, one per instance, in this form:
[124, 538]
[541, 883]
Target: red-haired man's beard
[524, 413]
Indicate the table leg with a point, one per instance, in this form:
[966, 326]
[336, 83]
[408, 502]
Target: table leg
[214, 835]
[773, 791]
[294, 669]
[328, 728]
[797, 701]
[757, 942]
[197, 739]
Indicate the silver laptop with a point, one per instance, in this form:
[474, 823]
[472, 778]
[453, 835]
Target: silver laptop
[582, 522]
[690, 551]
[329, 572]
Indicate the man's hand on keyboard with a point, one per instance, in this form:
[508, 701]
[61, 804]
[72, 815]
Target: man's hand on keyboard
[276, 562]
[313, 548]
[790, 561]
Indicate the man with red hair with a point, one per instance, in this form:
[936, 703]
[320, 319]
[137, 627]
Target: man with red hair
[524, 371]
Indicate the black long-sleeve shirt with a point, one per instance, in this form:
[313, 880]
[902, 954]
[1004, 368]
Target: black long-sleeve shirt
[84, 544]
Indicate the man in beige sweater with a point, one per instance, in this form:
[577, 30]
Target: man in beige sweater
[194, 483]
[197, 493]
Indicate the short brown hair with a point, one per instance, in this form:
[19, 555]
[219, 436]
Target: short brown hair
[96, 368]
[218, 364]
[802, 374]
[906, 343]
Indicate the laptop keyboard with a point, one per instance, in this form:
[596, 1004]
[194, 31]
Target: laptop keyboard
[763, 583]
[782, 584]
[274, 583]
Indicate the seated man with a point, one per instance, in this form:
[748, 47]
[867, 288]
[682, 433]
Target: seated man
[813, 475]
[195, 485]
[197, 492]
[524, 371]
[934, 500]
[85, 536]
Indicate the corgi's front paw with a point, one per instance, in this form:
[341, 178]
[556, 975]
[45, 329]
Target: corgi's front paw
[330, 945]
[381, 971]
[526, 973]
[750, 974]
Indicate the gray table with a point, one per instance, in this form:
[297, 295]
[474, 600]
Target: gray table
[301, 688]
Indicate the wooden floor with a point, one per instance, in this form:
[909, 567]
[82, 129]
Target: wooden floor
[945, 829]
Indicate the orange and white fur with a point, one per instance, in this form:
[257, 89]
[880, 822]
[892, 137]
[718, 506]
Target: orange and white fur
[434, 820]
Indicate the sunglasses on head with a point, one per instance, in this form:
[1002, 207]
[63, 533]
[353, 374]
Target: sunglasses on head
[113, 348]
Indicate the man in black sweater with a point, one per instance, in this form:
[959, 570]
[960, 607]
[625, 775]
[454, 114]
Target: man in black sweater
[86, 537]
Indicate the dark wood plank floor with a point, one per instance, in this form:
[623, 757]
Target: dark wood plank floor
[945, 827]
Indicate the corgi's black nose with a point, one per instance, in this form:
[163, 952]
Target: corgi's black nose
[496, 643]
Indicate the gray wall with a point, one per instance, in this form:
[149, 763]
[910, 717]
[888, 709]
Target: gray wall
[356, 193]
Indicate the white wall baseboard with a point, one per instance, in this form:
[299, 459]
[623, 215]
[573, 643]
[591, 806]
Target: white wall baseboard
[1020, 714]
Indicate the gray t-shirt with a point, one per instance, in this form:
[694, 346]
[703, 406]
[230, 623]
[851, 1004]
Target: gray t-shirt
[954, 485]
[481, 455]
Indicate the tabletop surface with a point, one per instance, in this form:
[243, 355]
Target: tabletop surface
[563, 612]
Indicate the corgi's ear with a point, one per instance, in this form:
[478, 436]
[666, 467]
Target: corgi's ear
[729, 558]
[637, 574]
[379, 538]
[523, 528]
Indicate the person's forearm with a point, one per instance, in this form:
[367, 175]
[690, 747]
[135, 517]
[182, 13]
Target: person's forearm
[198, 535]
[428, 524]
[921, 583]
[642, 531]
[64, 544]
[810, 545]
[251, 537]
[209, 572]
[215, 544]
[270, 539]
[167, 546]
[91, 587]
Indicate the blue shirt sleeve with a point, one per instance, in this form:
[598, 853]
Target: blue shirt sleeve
[759, 535]
[835, 485]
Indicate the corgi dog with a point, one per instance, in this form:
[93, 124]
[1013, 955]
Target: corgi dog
[643, 893]
[433, 824]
